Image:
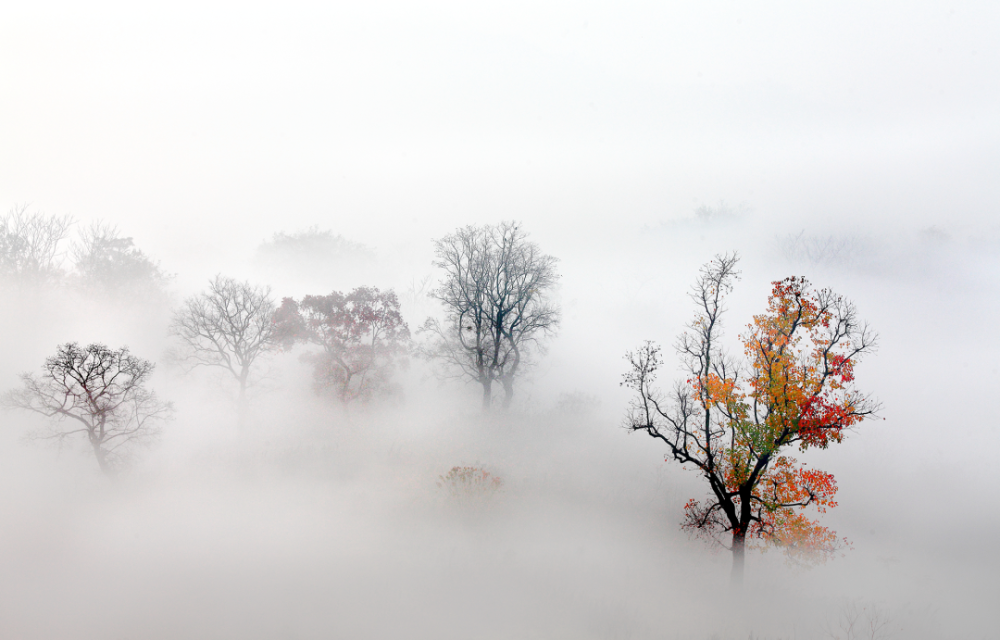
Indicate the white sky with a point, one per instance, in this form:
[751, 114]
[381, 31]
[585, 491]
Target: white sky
[203, 127]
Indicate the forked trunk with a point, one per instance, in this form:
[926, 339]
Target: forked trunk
[345, 387]
[102, 459]
[508, 391]
[487, 393]
[508, 378]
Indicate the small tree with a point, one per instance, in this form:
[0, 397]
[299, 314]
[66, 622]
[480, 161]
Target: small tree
[497, 307]
[107, 262]
[29, 245]
[230, 326]
[471, 485]
[98, 392]
[362, 334]
[734, 423]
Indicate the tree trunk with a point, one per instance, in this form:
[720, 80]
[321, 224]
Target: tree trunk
[102, 459]
[739, 548]
[487, 393]
[242, 409]
[508, 391]
[508, 378]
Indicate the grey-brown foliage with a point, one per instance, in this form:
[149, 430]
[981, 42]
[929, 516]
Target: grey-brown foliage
[496, 297]
[108, 263]
[96, 392]
[230, 326]
[362, 335]
[313, 254]
[835, 251]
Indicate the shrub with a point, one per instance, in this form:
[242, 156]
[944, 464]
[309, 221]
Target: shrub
[473, 482]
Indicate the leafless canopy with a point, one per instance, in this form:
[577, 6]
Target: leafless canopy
[29, 245]
[98, 392]
[496, 299]
[230, 326]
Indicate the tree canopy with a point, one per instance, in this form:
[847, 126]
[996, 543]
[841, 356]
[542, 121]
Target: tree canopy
[98, 392]
[496, 295]
[30, 246]
[362, 334]
[230, 326]
[735, 421]
[106, 261]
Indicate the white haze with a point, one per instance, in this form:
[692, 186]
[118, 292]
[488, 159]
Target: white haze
[854, 144]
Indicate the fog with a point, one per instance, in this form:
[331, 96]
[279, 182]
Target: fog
[854, 145]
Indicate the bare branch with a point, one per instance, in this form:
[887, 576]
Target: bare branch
[29, 245]
[231, 326]
[497, 306]
[731, 421]
[102, 391]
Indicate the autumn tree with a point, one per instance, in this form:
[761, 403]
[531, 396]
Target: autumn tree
[735, 421]
[362, 335]
[230, 327]
[30, 245]
[496, 296]
[97, 392]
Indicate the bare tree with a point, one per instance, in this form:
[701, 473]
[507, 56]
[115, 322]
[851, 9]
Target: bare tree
[100, 392]
[29, 245]
[859, 620]
[230, 326]
[107, 262]
[496, 299]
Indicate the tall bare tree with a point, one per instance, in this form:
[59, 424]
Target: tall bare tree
[496, 296]
[230, 326]
[98, 392]
[29, 245]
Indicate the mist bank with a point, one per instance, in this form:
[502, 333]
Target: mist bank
[322, 520]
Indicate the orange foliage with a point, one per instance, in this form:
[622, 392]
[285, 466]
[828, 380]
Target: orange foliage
[734, 422]
[797, 392]
[805, 390]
